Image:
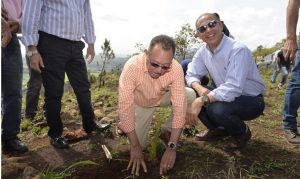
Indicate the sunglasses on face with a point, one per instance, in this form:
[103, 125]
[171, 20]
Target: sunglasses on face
[210, 24]
[155, 65]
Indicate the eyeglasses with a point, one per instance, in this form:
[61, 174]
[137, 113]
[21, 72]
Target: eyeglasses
[210, 24]
[155, 65]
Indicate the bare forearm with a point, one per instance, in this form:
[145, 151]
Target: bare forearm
[133, 139]
[199, 88]
[292, 18]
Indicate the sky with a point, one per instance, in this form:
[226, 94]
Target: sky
[126, 23]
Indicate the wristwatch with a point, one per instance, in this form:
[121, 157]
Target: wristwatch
[172, 145]
[30, 53]
[205, 100]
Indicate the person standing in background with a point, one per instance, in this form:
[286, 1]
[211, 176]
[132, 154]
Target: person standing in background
[11, 79]
[292, 93]
[34, 85]
[283, 65]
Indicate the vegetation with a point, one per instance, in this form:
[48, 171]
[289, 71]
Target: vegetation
[260, 52]
[267, 155]
[185, 39]
[50, 174]
[106, 55]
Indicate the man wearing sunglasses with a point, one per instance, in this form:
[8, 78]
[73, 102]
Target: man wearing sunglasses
[150, 80]
[239, 91]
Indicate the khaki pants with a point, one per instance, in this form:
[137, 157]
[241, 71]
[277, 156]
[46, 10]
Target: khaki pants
[144, 116]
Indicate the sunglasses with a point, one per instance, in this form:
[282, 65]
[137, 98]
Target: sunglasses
[210, 24]
[155, 65]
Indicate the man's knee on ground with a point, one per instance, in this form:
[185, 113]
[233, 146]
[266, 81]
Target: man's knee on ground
[190, 95]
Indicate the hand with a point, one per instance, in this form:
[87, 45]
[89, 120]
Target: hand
[193, 110]
[289, 49]
[14, 26]
[167, 161]
[202, 91]
[136, 160]
[36, 62]
[5, 33]
[4, 13]
[90, 53]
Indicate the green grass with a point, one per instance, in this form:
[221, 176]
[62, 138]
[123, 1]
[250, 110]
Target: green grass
[267, 155]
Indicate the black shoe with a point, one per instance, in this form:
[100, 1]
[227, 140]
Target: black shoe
[99, 128]
[239, 141]
[292, 136]
[211, 134]
[59, 142]
[14, 146]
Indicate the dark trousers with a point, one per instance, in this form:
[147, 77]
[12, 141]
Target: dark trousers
[231, 115]
[62, 56]
[34, 85]
[11, 86]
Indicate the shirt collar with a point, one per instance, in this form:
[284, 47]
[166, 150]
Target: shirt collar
[219, 46]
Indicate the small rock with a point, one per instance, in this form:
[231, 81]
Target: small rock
[29, 172]
[98, 113]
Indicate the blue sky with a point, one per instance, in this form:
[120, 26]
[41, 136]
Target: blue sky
[125, 23]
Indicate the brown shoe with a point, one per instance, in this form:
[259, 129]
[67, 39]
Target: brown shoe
[211, 134]
[239, 141]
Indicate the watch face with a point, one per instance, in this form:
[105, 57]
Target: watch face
[172, 145]
[205, 98]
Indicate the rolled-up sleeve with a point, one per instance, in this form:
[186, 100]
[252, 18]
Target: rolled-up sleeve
[178, 98]
[126, 99]
[196, 69]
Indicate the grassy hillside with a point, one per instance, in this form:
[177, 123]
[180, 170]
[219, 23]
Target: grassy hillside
[268, 154]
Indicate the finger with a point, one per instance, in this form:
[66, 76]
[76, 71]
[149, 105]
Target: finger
[144, 166]
[133, 168]
[129, 165]
[137, 171]
[161, 170]
[42, 63]
[89, 58]
[38, 69]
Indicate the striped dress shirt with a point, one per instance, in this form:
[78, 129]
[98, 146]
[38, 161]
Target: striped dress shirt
[137, 87]
[67, 19]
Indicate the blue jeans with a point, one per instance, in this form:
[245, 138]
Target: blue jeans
[11, 85]
[292, 95]
[33, 92]
[231, 115]
[284, 74]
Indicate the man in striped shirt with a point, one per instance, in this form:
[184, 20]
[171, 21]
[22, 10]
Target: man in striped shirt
[147, 81]
[52, 32]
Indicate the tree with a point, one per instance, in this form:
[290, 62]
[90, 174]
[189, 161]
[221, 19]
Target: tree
[139, 48]
[106, 55]
[185, 39]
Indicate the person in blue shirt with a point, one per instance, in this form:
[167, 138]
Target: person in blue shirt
[239, 91]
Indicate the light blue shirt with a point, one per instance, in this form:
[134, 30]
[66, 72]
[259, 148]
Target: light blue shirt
[67, 19]
[231, 67]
